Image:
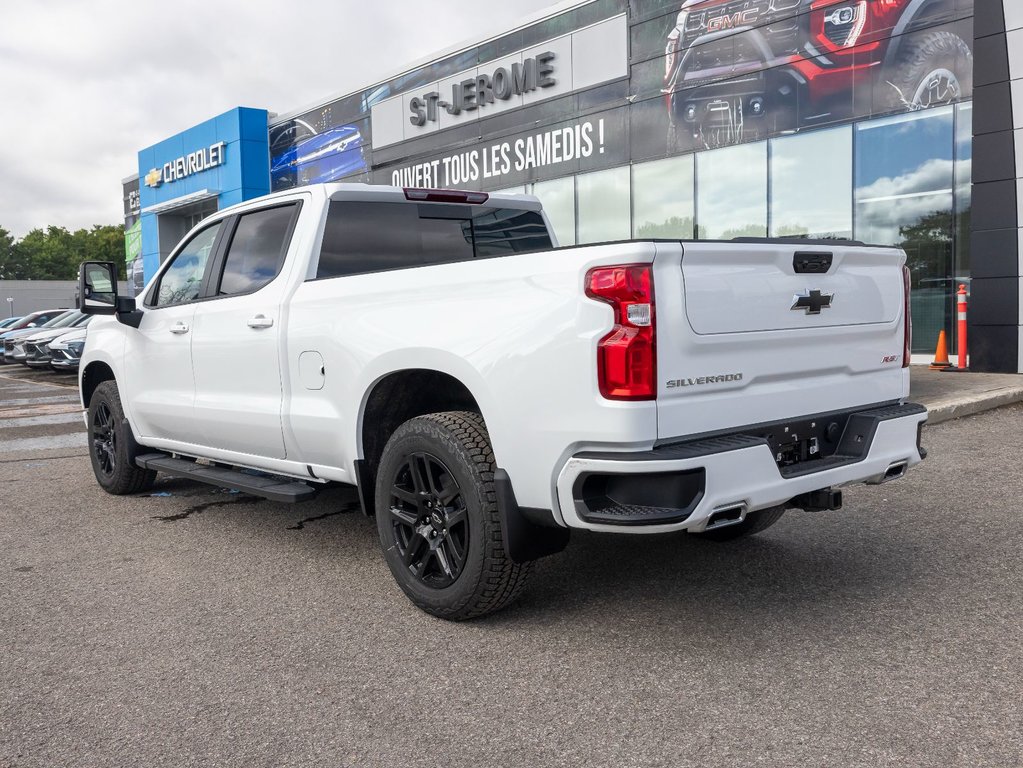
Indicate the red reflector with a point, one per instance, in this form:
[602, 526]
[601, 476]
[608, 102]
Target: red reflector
[627, 356]
[445, 195]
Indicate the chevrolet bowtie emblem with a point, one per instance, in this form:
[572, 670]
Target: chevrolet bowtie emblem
[154, 177]
[812, 301]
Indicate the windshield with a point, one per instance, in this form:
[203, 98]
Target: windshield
[25, 321]
[61, 320]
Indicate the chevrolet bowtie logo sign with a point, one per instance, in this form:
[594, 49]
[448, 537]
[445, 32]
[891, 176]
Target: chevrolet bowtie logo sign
[194, 162]
[812, 301]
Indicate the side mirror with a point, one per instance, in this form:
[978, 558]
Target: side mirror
[97, 288]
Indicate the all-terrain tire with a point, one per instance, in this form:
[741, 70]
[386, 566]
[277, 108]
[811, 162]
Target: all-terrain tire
[454, 448]
[755, 522]
[933, 68]
[112, 446]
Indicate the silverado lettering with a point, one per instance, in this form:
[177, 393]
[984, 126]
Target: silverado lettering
[721, 379]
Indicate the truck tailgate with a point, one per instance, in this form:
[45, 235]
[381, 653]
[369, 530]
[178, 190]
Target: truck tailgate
[754, 332]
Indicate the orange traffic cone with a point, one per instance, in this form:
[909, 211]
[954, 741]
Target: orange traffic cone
[941, 362]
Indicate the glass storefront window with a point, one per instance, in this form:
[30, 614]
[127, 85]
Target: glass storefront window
[811, 185]
[731, 192]
[663, 198]
[904, 192]
[558, 200]
[604, 209]
[963, 188]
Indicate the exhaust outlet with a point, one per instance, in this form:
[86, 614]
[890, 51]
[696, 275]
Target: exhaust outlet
[895, 470]
[719, 518]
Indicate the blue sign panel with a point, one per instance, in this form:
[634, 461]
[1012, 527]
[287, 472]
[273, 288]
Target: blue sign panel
[226, 158]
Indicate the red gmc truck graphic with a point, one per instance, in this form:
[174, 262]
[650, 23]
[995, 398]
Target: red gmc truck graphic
[740, 70]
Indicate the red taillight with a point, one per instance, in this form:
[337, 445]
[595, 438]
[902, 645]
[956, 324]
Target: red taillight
[627, 356]
[445, 195]
[907, 345]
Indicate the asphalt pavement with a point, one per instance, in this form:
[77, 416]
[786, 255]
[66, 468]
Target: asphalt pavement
[196, 627]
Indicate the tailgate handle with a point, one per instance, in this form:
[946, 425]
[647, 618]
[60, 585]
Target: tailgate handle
[812, 263]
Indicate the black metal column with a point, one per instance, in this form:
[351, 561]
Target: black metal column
[994, 332]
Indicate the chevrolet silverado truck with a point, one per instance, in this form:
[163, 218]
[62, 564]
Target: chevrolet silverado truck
[741, 70]
[487, 391]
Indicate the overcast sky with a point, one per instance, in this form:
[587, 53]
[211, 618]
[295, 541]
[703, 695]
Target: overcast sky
[85, 85]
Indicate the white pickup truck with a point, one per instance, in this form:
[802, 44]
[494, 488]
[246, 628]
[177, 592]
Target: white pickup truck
[487, 391]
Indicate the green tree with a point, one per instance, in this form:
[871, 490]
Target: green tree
[928, 245]
[675, 227]
[747, 230]
[10, 264]
[55, 253]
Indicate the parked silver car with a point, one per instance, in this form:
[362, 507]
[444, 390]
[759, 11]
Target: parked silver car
[30, 323]
[15, 344]
[37, 348]
[66, 351]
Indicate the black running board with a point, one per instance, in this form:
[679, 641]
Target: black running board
[269, 487]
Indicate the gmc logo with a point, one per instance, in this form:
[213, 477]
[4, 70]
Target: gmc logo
[740, 19]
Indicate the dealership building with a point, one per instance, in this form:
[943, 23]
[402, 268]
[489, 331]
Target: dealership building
[891, 122]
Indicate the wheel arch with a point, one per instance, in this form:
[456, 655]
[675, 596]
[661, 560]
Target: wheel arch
[94, 374]
[404, 394]
[918, 16]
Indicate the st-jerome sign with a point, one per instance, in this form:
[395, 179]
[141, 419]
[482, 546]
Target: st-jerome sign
[476, 92]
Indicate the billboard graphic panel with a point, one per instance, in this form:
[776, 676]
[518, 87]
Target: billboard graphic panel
[744, 70]
[701, 74]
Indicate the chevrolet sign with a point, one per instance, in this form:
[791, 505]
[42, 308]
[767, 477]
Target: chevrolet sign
[201, 160]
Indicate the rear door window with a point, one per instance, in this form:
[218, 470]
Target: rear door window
[362, 237]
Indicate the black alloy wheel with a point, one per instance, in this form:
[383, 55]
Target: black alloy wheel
[104, 440]
[429, 523]
[112, 446]
[438, 521]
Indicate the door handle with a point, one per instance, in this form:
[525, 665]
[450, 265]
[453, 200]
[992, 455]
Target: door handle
[261, 321]
[179, 327]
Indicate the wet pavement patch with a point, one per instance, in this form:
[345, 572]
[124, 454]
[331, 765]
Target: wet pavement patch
[198, 508]
[348, 508]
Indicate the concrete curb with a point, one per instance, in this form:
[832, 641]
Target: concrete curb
[969, 405]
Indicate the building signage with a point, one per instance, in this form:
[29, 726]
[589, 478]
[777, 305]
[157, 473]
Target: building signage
[132, 201]
[201, 160]
[133, 241]
[550, 67]
[574, 142]
[476, 92]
